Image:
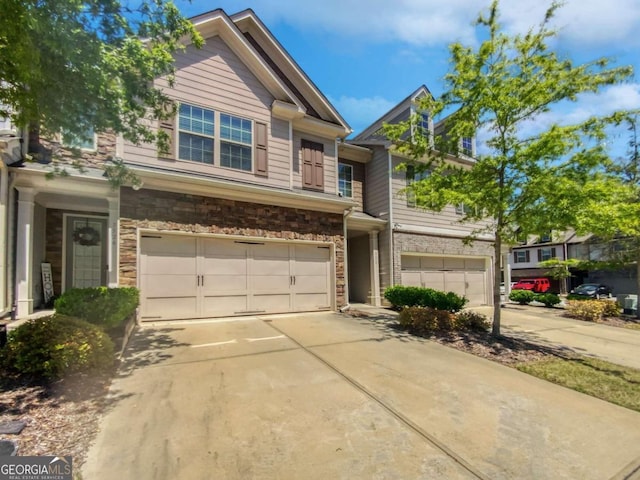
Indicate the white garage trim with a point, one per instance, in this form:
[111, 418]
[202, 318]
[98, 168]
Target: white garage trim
[186, 275]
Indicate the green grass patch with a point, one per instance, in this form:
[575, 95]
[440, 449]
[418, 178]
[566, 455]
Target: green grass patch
[604, 380]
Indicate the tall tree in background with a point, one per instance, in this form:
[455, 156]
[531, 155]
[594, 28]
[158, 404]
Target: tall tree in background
[528, 175]
[71, 66]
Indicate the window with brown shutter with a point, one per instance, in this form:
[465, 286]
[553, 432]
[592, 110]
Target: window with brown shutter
[312, 165]
[168, 126]
[261, 150]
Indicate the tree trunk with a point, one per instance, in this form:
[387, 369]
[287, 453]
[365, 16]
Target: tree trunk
[497, 254]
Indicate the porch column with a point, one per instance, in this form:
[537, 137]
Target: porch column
[24, 252]
[112, 238]
[374, 269]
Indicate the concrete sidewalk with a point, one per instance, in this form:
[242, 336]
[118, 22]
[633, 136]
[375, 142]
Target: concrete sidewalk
[329, 396]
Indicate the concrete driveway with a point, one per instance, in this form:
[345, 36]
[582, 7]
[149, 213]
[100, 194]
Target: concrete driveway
[324, 396]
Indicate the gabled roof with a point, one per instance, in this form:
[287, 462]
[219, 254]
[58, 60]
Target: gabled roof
[401, 111]
[296, 96]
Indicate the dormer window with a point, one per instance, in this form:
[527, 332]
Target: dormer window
[423, 123]
[467, 146]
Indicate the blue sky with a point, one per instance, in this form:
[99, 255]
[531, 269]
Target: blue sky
[367, 55]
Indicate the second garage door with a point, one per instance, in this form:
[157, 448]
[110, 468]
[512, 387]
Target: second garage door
[195, 277]
[464, 276]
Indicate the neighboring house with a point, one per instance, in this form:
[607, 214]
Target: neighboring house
[524, 258]
[415, 246]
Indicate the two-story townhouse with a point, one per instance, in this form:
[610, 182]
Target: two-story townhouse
[242, 215]
[416, 246]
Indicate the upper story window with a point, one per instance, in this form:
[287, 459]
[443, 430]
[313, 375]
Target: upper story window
[85, 141]
[196, 127]
[413, 176]
[546, 237]
[463, 209]
[521, 256]
[211, 137]
[423, 123]
[467, 146]
[345, 180]
[546, 254]
[235, 142]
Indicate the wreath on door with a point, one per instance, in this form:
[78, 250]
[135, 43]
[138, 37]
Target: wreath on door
[86, 236]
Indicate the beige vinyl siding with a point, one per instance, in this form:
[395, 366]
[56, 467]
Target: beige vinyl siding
[357, 182]
[376, 198]
[406, 216]
[330, 165]
[215, 78]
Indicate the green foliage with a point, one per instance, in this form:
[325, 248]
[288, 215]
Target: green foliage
[106, 307]
[587, 310]
[611, 309]
[537, 179]
[425, 321]
[403, 296]
[549, 299]
[55, 346]
[68, 66]
[522, 297]
[469, 320]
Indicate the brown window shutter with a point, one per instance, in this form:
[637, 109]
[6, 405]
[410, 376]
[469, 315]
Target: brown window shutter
[168, 126]
[261, 149]
[318, 167]
[539, 255]
[527, 257]
[553, 252]
[312, 165]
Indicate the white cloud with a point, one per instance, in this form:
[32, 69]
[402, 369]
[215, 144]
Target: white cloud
[361, 112]
[431, 22]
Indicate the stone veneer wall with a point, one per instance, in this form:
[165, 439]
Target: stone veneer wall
[420, 243]
[192, 213]
[61, 155]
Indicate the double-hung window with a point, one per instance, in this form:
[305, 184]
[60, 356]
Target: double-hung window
[345, 180]
[467, 146]
[521, 256]
[196, 127]
[235, 142]
[84, 141]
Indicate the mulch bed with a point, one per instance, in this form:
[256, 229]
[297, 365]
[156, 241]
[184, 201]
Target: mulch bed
[61, 417]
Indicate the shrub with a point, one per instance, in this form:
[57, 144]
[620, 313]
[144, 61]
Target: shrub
[472, 321]
[401, 296]
[425, 320]
[57, 345]
[523, 297]
[611, 309]
[106, 307]
[549, 299]
[588, 310]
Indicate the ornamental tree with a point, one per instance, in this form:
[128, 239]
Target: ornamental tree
[73, 66]
[529, 175]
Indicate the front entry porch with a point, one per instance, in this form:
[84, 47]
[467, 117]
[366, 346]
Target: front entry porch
[69, 223]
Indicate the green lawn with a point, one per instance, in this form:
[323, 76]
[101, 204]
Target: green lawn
[604, 380]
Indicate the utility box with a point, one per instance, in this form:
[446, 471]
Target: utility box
[629, 303]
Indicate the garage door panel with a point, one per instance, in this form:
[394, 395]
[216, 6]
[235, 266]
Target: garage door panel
[224, 266]
[455, 282]
[269, 266]
[410, 262]
[431, 263]
[412, 279]
[168, 285]
[475, 264]
[272, 303]
[433, 280]
[312, 252]
[225, 283]
[170, 307]
[219, 248]
[476, 291]
[312, 301]
[218, 305]
[453, 263]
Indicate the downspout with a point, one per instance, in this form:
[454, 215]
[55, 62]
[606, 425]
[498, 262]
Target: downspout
[345, 216]
[4, 198]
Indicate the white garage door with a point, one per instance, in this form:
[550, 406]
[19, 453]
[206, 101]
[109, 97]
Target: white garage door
[193, 277]
[464, 276]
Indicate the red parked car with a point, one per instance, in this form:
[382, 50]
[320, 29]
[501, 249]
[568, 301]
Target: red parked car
[537, 285]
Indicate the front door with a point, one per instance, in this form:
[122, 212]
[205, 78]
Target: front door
[86, 252]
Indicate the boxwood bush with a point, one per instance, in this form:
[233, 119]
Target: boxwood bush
[522, 297]
[55, 346]
[587, 310]
[425, 321]
[549, 299]
[469, 320]
[106, 307]
[401, 296]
